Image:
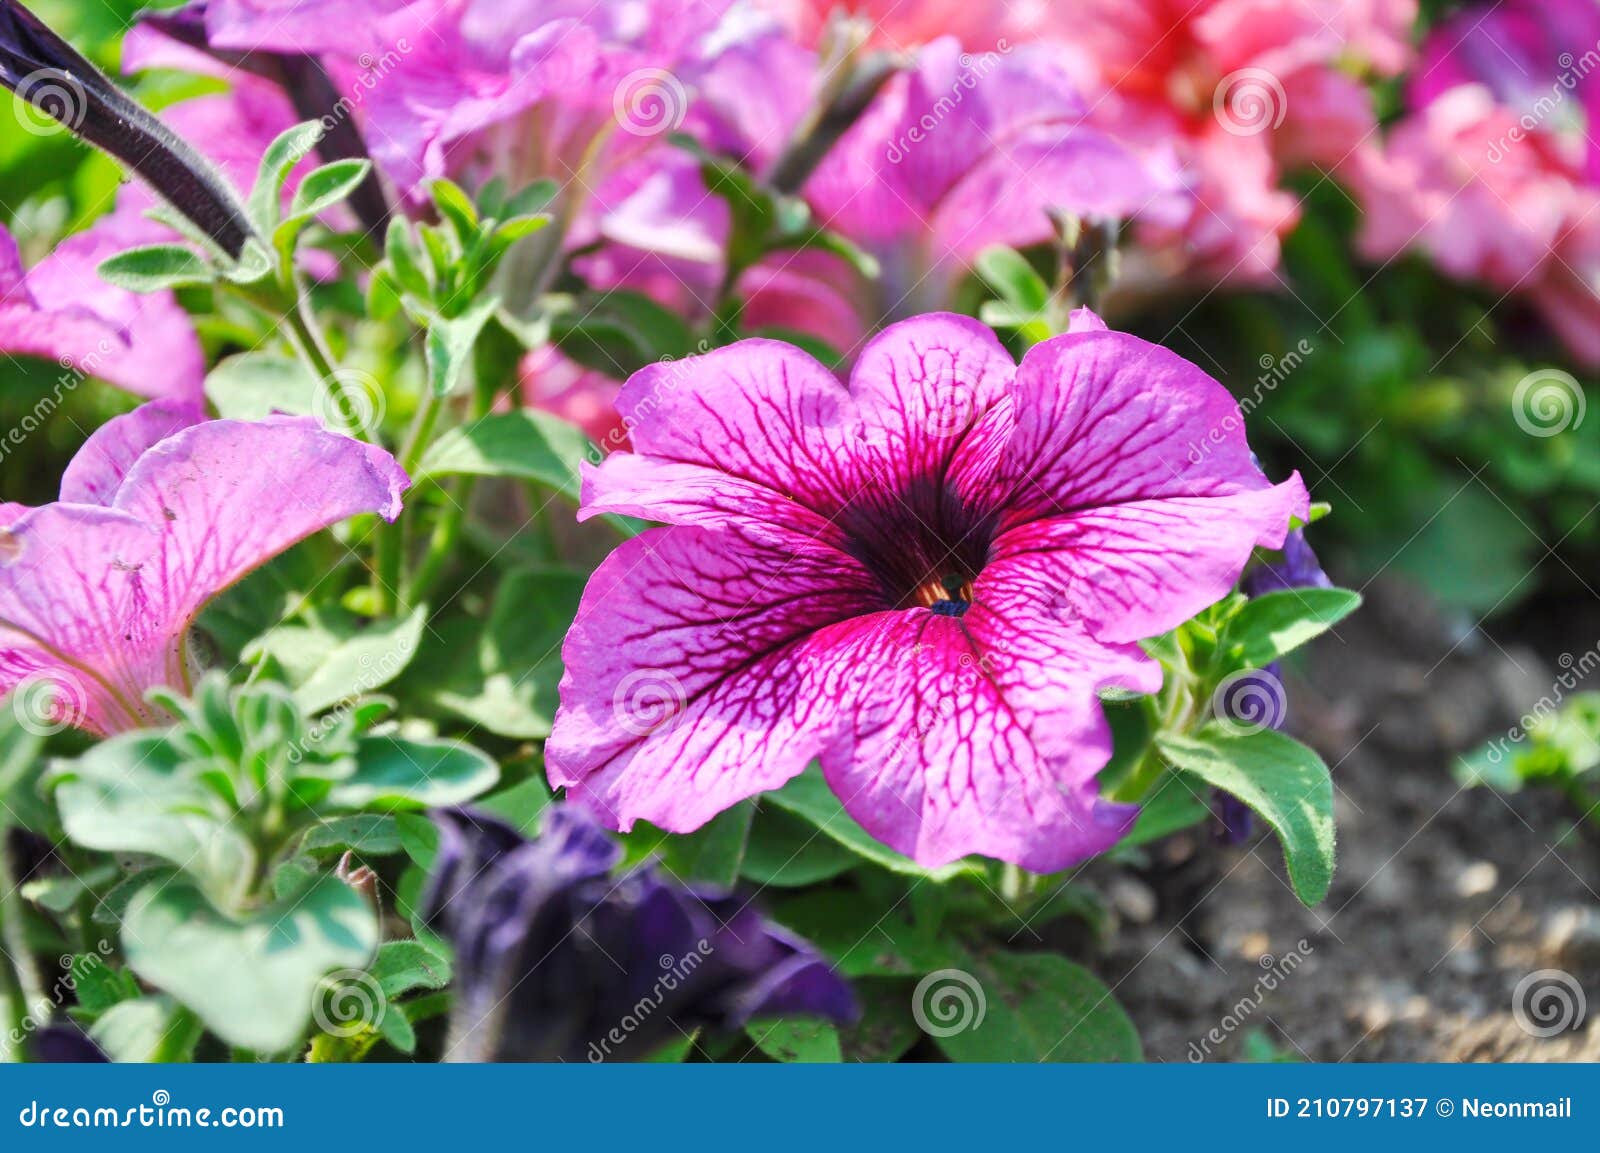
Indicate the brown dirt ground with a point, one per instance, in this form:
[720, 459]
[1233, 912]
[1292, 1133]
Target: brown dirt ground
[1445, 897]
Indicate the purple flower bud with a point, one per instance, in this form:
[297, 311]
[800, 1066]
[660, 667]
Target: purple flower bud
[1299, 569]
[557, 959]
[55, 78]
[65, 1044]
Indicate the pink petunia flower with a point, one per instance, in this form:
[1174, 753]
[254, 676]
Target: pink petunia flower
[160, 511]
[61, 310]
[921, 579]
[1236, 91]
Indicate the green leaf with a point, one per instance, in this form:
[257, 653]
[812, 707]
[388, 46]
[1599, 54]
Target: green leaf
[1275, 623]
[397, 773]
[405, 966]
[281, 157]
[128, 795]
[1007, 1007]
[369, 834]
[618, 333]
[1010, 277]
[800, 1042]
[253, 385]
[399, 248]
[866, 936]
[100, 985]
[252, 981]
[149, 1029]
[522, 805]
[321, 189]
[455, 206]
[363, 662]
[510, 684]
[808, 796]
[155, 268]
[525, 444]
[786, 851]
[449, 345]
[1172, 805]
[712, 853]
[1280, 779]
[886, 1029]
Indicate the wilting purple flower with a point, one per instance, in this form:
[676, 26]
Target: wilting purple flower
[55, 78]
[65, 1044]
[558, 960]
[160, 511]
[61, 310]
[1298, 568]
[922, 579]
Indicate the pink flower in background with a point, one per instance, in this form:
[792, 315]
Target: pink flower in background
[578, 395]
[61, 310]
[1493, 172]
[1235, 91]
[160, 511]
[957, 154]
[922, 580]
[902, 25]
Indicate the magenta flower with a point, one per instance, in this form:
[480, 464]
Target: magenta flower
[159, 511]
[61, 310]
[922, 580]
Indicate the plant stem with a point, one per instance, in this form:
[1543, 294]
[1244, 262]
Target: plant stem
[308, 342]
[22, 985]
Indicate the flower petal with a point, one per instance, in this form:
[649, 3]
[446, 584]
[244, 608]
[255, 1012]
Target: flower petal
[1132, 486]
[233, 494]
[95, 473]
[685, 687]
[751, 436]
[981, 733]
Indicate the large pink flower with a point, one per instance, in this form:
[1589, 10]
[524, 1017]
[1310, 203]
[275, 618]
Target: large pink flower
[61, 309]
[921, 580]
[160, 511]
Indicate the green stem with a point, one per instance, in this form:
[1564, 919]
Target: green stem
[390, 560]
[22, 985]
[446, 534]
[308, 342]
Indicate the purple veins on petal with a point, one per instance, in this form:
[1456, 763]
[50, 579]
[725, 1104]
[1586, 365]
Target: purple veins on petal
[922, 580]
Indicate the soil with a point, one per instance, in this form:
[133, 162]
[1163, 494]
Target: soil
[1446, 897]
